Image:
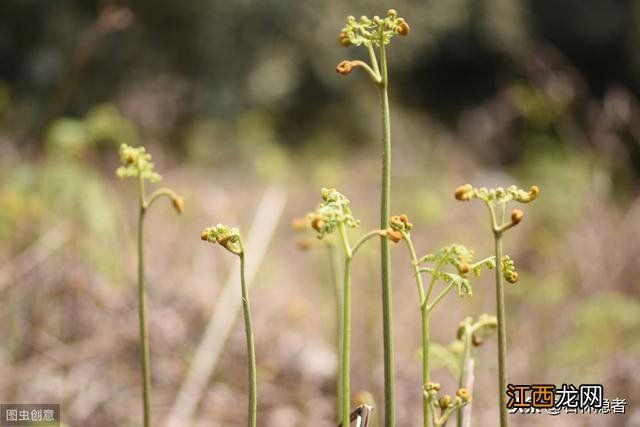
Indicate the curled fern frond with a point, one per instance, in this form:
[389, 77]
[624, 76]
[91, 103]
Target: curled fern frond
[374, 31]
[335, 210]
[136, 162]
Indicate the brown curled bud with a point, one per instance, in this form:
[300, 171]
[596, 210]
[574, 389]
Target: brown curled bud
[530, 196]
[178, 203]
[403, 28]
[394, 236]
[298, 224]
[512, 277]
[400, 223]
[344, 40]
[463, 268]
[405, 220]
[204, 235]
[444, 402]
[534, 191]
[317, 223]
[464, 394]
[463, 193]
[516, 216]
[344, 68]
[131, 158]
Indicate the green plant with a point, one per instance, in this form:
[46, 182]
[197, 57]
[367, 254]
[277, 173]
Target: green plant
[471, 334]
[230, 239]
[460, 259]
[445, 403]
[334, 214]
[376, 33]
[137, 164]
[496, 201]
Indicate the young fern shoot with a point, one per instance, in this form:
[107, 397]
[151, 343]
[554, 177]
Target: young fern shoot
[496, 201]
[460, 258]
[230, 239]
[136, 163]
[374, 34]
[334, 214]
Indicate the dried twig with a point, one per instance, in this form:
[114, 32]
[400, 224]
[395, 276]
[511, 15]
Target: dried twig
[361, 415]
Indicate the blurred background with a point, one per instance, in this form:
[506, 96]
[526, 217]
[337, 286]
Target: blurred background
[246, 118]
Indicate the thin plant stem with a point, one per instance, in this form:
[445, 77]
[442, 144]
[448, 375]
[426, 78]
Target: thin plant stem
[426, 376]
[432, 282]
[439, 297]
[335, 277]
[466, 355]
[251, 350]
[346, 344]
[426, 369]
[142, 311]
[387, 300]
[502, 337]
[346, 328]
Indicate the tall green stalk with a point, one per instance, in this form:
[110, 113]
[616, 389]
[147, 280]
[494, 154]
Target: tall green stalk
[426, 377]
[346, 342]
[230, 239]
[349, 252]
[374, 33]
[136, 162]
[502, 333]
[496, 201]
[251, 350]
[334, 214]
[142, 317]
[387, 296]
[335, 277]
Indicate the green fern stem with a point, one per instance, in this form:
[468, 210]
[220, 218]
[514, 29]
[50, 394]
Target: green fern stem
[502, 336]
[387, 296]
[142, 311]
[251, 350]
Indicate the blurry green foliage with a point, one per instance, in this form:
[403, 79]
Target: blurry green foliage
[539, 111]
[557, 168]
[38, 195]
[603, 325]
[259, 145]
[19, 210]
[448, 357]
[103, 125]
[553, 290]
